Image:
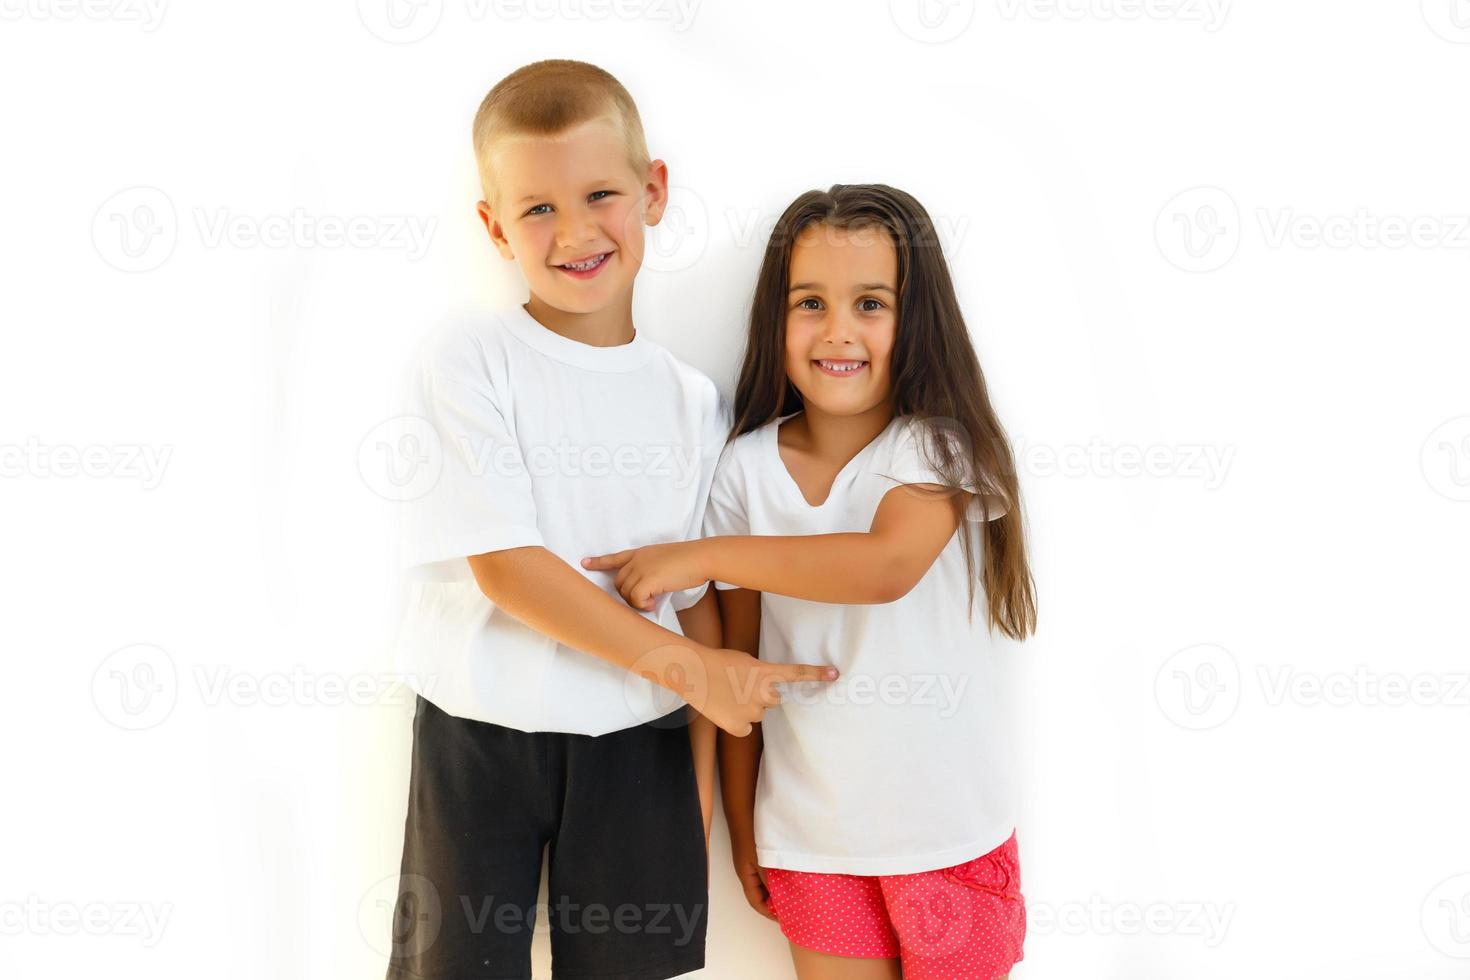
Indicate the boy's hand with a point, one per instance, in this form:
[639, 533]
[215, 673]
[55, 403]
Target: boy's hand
[752, 877]
[648, 572]
[729, 687]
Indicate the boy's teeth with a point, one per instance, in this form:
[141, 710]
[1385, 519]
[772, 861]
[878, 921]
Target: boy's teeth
[584, 266]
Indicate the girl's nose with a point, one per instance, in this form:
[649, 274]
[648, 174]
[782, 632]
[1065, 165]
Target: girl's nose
[838, 329]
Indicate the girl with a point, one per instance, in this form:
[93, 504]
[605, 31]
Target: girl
[866, 496]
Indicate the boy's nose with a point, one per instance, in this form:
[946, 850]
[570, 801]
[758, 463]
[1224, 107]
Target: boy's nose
[575, 229]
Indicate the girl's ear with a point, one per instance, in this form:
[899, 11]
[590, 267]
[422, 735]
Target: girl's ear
[497, 234]
[655, 192]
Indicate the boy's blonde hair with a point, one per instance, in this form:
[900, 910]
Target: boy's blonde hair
[547, 98]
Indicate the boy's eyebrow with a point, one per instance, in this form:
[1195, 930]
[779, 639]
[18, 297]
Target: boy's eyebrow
[860, 287]
[601, 182]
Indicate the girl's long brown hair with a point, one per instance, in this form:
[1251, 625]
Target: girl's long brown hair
[936, 376]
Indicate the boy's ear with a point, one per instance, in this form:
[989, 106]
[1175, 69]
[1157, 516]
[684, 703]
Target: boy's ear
[497, 234]
[655, 192]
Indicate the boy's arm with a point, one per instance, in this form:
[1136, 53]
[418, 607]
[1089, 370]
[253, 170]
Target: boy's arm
[740, 758]
[701, 623]
[548, 595]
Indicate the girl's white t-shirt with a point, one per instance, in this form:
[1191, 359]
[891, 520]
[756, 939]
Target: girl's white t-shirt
[904, 764]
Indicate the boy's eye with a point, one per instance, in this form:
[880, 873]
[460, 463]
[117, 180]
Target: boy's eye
[598, 195]
[539, 209]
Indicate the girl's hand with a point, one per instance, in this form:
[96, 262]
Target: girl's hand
[753, 879]
[648, 572]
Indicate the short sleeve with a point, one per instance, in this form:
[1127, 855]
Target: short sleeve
[914, 461]
[715, 428]
[725, 514]
[475, 492]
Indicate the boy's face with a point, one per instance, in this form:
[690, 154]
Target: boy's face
[571, 211]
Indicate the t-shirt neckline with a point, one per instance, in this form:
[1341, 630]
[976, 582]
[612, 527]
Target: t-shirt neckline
[623, 357]
[773, 450]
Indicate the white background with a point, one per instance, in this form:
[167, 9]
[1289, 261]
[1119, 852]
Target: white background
[1179, 230]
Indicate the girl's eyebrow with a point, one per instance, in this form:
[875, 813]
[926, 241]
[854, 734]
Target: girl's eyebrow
[859, 288]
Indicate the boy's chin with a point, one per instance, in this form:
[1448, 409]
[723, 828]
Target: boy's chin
[575, 300]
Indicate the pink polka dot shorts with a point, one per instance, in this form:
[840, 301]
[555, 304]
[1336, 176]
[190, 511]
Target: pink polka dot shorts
[966, 922]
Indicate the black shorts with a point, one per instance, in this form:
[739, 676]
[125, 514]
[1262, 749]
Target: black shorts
[628, 891]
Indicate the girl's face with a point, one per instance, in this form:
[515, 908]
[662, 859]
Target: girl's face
[841, 317]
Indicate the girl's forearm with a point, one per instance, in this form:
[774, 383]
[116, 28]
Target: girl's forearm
[740, 761]
[848, 568]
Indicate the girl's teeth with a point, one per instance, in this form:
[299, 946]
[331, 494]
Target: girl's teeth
[829, 365]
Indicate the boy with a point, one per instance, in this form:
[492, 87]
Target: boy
[556, 717]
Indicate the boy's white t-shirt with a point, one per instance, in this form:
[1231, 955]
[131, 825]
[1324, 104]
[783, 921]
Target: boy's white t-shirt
[543, 440]
[904, 763]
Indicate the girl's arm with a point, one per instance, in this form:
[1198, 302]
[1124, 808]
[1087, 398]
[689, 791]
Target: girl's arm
[912, 526]
[541, 590]
[740, 758]
[701, 623]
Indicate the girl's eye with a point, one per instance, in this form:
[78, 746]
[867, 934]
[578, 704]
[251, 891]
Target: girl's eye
[863, 305]
[539, 209]
[810, 303]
